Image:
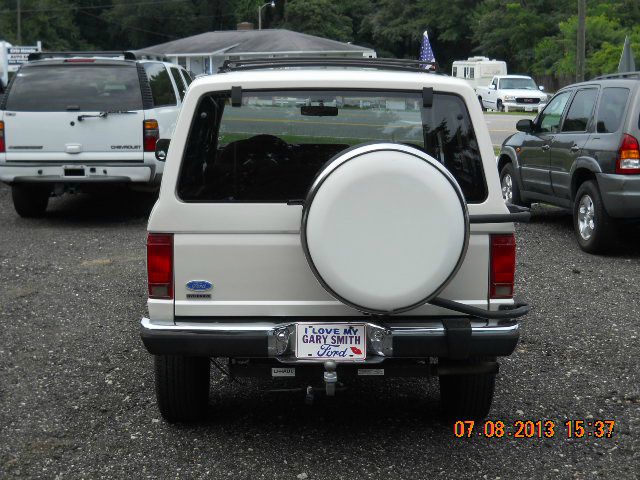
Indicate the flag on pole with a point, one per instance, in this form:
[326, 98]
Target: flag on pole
[426, 52]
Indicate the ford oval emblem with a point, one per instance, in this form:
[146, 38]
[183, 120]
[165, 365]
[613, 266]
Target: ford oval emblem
[199, 286]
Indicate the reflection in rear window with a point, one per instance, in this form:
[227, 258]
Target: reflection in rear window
[271, 147]
[54, 88]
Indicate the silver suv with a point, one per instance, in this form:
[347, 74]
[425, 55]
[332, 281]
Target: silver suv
[325, 219]
[72, 120]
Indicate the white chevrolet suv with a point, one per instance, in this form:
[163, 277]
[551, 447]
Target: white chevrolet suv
[324, 219]
[70, 121]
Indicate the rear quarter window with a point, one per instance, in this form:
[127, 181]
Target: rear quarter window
[611, 109]
[161, 87]
[270, 148]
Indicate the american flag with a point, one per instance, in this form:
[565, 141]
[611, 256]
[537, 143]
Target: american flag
[426, 53]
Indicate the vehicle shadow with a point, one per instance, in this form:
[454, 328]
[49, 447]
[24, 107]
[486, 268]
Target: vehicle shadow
[113, 206]
[627, 243]
[361, 408]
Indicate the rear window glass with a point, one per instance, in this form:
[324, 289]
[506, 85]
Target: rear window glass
[270, 148]
[611, 109]
[53, 88]
[161, 88]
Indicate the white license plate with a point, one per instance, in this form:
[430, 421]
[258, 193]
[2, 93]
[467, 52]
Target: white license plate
[528, 109]
[331, 341]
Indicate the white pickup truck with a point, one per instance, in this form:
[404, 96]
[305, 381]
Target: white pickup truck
[512, 92]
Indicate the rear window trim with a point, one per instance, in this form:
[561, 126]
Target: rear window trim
[297, 201]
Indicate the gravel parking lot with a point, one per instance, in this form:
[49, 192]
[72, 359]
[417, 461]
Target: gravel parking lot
[76, 386]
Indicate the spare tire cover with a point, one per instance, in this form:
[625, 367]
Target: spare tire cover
[384, 227]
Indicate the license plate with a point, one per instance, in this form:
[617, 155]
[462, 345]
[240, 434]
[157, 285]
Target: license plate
[342, 342]
[528, 109]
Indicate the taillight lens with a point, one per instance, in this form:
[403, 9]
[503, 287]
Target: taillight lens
[628, 156]
[503, 266]
[2, 146]
[160, 265]
[151, 133]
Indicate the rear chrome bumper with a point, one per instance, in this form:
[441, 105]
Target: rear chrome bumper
[406, 337]
[72, 173]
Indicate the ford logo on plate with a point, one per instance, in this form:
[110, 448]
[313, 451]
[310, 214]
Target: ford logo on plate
[199, 286]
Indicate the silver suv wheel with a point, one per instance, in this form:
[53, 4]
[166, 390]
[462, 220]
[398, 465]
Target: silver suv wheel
[507, 188]
[586, 217]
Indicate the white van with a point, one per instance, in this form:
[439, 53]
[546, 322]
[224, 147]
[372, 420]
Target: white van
[69, 121]
[478, 71]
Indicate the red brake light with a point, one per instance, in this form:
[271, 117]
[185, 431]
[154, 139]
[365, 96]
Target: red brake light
[628, 156]
[151, 133]
[503, 266]
[160, 265]
[79, 60]
[2, 146]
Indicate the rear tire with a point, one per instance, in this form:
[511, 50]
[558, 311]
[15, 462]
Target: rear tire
[594, 228]
[182, 387]
[466, 397]
[484, 109]
[30, 201]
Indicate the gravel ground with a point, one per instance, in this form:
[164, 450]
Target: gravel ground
[76, 386]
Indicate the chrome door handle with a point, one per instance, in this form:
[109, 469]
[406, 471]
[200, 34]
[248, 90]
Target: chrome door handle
[575, 148]
[545, 147]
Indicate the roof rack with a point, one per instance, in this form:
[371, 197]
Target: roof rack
[618, 75]
[291, 62]
[52, 55]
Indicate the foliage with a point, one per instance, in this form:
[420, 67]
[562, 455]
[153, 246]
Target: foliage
[318, 17]
[535, 36]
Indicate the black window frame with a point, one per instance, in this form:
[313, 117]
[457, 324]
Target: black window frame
[227, 94]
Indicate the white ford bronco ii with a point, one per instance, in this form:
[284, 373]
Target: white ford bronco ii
[329, 218]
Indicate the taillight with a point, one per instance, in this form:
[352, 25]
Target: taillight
[2, 146]
[628, 156]
[503, 266]
[151, 133]
[160, 265]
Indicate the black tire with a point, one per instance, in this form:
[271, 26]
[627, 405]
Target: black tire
[516, 199]
[499, 106]
[482, 104]
[182, 387]
[30, 201]
[599, 237]
[466, 397]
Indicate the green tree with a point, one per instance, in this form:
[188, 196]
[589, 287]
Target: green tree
[322, 18]
[51, 21]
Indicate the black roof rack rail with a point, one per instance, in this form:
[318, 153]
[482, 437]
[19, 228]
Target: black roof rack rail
[290, 62]
[53, 55]
[619, 75]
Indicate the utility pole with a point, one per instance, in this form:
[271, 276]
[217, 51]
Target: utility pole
[580, 50]
[19, 21]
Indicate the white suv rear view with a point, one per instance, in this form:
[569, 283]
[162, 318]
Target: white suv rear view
[321, 219]
[72, 120]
